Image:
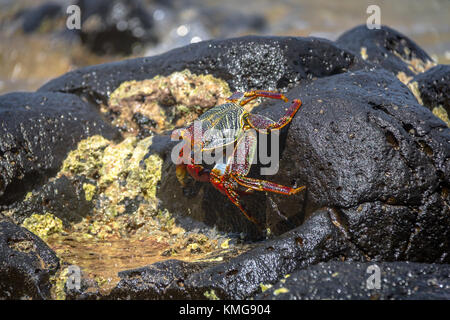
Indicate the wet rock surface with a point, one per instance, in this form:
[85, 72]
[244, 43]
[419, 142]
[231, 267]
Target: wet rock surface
[150, 282]
[314, 241]
[202, 202]
[251, 62]
[387, 48]
[349, 280]
[363, 146]
[374, 160]
[65, 197]
[37, 131]
[433, 86]
[26, 264]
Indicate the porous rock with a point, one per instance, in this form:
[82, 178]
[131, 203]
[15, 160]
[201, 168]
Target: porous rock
[250, 62]
[434, 89]
[387, 48]
[363, 146]
[26, 264]
[37, 130]
[357, 281]
[151, 281]
[315, 241]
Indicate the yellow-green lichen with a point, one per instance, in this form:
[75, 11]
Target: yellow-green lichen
[441, 113]
[43, 225]
[89, 191]
[86, 159]
[28, 196]
[416, 65]
[414, 87]
[122, 170]
[211, 295]
[180, 85]
[404, 78]
[280, 290]
[364, 53]
[265, 287]
[225, 244]
[144, 178]
[127, 173]
[58, 282]
[115, 161]
[169, 101]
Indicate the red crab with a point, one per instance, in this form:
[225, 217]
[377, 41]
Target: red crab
[229, 176]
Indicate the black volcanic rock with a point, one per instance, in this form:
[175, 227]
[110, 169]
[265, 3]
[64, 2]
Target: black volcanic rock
[348, 280]
[37, 130]
[363, 146]
[151, 281]
[375, 163]
[26, 264]
[252, 62]
[315, 241]
[434, 87]
[385, 47]
[62, 196]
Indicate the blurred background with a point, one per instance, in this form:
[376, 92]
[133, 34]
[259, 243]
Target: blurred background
[36, 45]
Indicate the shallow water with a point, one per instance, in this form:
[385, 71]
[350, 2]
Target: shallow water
[103, 259]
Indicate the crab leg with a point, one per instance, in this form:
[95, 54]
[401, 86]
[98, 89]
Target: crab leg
[225, 185]
[239, 166]
[233, 196]
[251, 95]
[260, 122]
[263, 185]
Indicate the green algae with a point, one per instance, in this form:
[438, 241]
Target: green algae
[86, 159]
[89, 191]
[442, 114]
[265, 287]
[280, 290]
[58, 282]
[211, 295]
[43, 225]
[170, 101]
